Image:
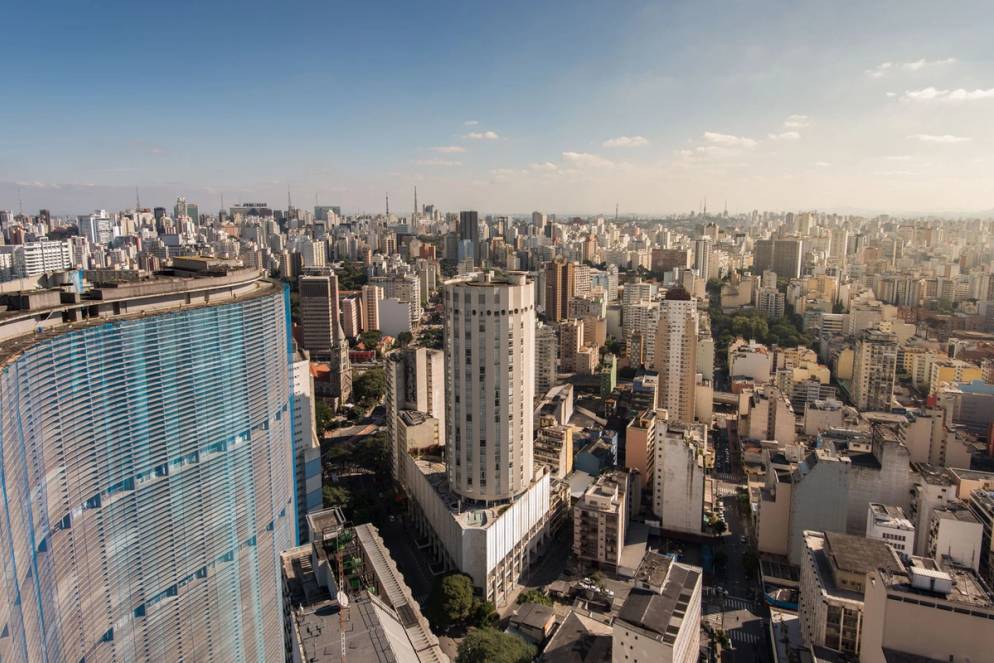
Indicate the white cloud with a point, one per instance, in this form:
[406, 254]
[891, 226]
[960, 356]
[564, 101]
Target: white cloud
[921, 64]
[880, 70]
[728, 140]
[471, 123]
[543, 167]
[482, 135]
[437, 162]
[971, 95]
[587, 159]
[925, 94]
[786, 135]
[959, 94]
[796, 122]
[940, 138]
[448, 149]
[885, 68]
[626, 141]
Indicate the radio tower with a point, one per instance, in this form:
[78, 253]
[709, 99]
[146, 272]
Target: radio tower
[388, 204]
[415, 216]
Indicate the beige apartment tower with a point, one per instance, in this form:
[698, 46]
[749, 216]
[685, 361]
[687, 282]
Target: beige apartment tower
[490, 385]
[675, 357]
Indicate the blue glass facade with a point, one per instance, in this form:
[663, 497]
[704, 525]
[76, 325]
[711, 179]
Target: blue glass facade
[147, 488]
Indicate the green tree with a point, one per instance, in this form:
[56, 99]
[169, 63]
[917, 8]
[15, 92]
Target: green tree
[370, 338]
[351, 275]
[404, 338]
[373, 454]
[614, 346]
[488, 645]
[534, 596]
[323, 416]
[451, 601]
[370, 387]
[483, 614]
[334, 495]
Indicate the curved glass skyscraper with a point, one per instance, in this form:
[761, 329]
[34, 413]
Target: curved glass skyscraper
[146, 470]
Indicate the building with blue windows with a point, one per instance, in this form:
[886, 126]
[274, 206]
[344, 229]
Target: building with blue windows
[147, 483]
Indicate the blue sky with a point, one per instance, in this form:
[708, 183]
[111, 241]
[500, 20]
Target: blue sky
[510, 106]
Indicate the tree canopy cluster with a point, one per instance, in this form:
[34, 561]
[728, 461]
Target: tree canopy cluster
[453, 604]
[370, 387]
[488, 645]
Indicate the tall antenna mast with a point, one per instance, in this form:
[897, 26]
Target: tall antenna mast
[289, 203]
[138, 201]
[414, 218]
[20, 203]
[616, 212]
[388, 204]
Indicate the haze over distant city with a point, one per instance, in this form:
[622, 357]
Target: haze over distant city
[503, 107]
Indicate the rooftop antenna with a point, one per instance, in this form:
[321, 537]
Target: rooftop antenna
[388, 204]
[289, 203]
[705, 206]
[138, 200]
[726, 206]
[20, 203]
[616, 212]
[222, 201]
[415, 203]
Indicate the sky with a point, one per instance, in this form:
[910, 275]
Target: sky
[570, 107]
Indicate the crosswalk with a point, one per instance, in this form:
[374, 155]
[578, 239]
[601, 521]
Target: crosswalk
[726, 604]
[740, 637]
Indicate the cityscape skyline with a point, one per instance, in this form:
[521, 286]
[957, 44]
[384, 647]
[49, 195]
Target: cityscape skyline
[655, 108]
[497, 332]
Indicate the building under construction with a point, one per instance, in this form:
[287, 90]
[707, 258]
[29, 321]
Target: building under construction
[345, 600]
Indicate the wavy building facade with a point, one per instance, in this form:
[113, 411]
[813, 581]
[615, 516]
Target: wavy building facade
[147, 469]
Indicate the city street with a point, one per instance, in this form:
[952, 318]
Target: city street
[737, 613]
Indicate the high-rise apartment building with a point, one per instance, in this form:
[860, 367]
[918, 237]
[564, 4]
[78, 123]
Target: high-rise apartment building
[322, 333]
[372, 295]
[570, 342]
[560, 284]
[546, 358]
[874, 369]
[675, 356]
[351, 317]
[490, 385]
[702, 257]
[97, 228]
[469, 231]
[145, 507]
[782, 256]
[34, 259]
[600, 519]
[414, 383]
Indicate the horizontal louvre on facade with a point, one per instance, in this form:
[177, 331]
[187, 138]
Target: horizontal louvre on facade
[147, 478]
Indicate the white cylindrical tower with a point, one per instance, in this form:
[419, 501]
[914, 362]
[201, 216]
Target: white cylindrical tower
[490, 385]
